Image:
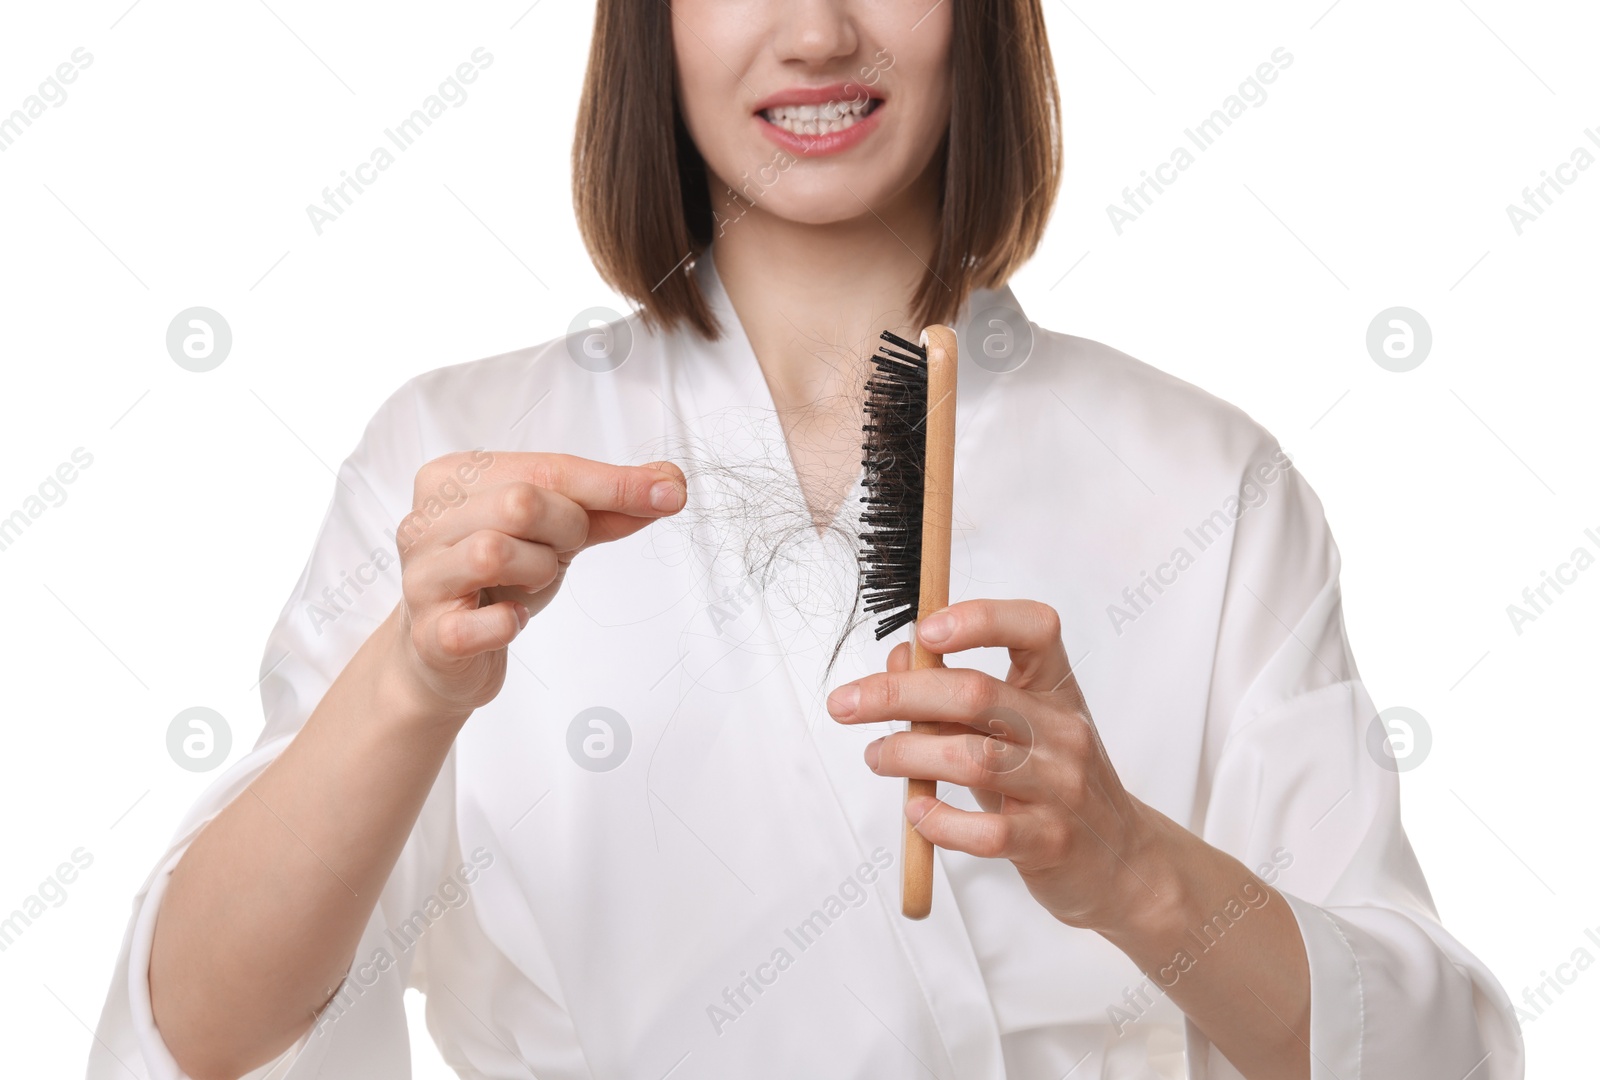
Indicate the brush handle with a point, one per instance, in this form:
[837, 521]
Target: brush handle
[938, 492]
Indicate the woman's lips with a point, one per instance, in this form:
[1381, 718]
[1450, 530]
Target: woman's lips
[800, 120]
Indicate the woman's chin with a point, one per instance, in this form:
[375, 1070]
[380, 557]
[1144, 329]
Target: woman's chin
[837, 205]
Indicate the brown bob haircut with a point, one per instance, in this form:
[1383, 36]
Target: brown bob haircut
[641, 188]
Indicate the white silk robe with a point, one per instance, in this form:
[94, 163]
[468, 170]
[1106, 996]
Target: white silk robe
[722, 900]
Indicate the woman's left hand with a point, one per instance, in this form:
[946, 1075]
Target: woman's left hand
[1028, 749]
[1092, 854]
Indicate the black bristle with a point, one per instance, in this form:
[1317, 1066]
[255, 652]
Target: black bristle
[894, 457]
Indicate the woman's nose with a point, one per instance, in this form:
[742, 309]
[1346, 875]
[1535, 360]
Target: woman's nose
[814, 31]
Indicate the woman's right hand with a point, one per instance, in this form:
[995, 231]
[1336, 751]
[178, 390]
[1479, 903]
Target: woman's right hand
[233, 983]
[485, 548]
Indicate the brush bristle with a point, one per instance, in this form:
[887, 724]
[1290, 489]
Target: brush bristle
[894, 457]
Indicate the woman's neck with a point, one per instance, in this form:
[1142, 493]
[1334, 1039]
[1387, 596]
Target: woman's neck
[812, 300]
[808, 294]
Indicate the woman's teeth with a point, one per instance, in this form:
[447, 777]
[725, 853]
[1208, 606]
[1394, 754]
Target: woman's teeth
[817, 119]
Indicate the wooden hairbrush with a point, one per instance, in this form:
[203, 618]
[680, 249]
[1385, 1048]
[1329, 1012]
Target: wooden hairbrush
[908, 472]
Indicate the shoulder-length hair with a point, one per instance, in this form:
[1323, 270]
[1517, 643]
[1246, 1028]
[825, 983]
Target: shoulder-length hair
[642, 192]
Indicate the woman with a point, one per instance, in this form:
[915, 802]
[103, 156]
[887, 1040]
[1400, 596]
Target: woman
[660, 846]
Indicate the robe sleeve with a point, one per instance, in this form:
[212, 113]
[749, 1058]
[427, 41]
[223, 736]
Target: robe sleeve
[362, 1032]
[1293, 785]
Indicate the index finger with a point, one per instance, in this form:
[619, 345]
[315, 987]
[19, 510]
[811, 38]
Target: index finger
[640, 491]
[619, 499]
[1029, 630]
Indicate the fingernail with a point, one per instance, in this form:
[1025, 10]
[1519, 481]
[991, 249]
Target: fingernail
[936, 627]
[522, 614]
[874, 748]
[843, 701]
[666, 495]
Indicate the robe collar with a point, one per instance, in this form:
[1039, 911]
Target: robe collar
[994, 333]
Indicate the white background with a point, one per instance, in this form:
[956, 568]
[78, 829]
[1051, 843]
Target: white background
[1376, 174]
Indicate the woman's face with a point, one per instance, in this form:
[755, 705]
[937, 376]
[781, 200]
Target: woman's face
[814, 110]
